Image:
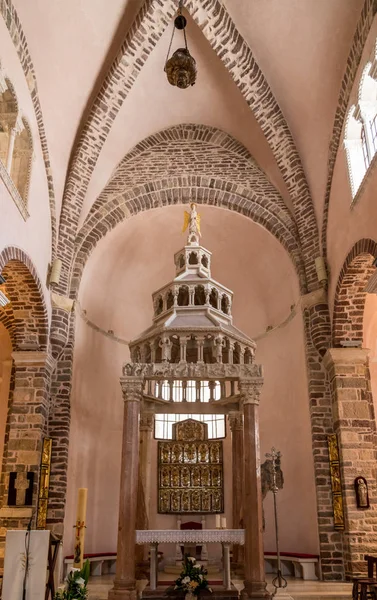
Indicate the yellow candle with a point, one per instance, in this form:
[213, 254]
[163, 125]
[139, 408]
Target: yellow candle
[223, 522]
[218, 522]
[78, 559]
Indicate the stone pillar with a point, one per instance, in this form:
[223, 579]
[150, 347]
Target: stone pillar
[146, 435]
[25, 429]
[5, 379]
[124, 583]
[200, 345]
[236, 427]
[355, 426]
[255, 580]
[182, 347]
[318, 339]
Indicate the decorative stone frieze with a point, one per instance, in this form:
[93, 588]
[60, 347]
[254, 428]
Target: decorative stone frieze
[191, 370]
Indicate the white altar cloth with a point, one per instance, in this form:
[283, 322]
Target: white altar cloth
[197, 536]
[14, 564]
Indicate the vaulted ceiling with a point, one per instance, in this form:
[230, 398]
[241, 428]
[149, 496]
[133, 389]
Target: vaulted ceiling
[269, 76]
[301, 48]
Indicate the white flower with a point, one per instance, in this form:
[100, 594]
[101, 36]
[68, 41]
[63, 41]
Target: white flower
[80, 581]
[186, 579]
[191, 559]
[201, 577]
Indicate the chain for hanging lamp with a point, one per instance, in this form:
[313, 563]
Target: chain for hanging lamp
[181, 67]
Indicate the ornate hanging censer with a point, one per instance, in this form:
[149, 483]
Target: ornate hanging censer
[180, 68]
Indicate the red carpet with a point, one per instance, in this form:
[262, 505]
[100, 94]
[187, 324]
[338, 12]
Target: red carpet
[214, 582]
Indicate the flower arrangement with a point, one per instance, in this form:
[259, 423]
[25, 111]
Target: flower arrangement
[76, 584]
[193, 577]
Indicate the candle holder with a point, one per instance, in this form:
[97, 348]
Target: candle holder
[279, 581]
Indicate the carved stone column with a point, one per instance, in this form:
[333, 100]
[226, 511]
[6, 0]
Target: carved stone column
[236, 427]
[255, 580]
[124, 583]
[355, 425]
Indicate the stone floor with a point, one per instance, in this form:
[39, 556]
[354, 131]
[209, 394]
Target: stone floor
[297, 588]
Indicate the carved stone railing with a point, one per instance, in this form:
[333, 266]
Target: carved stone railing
[198, 536]
[13, 191]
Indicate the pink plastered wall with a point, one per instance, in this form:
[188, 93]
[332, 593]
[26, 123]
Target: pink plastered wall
[33, 235]
[350, 219]
[124, 270]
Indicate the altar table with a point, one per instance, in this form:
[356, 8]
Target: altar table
[226, 537]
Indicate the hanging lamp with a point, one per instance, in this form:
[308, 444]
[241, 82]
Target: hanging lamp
[180, 68]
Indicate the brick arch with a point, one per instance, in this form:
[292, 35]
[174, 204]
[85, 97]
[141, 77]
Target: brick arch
[350, 295]
[26, 316]
[7, 319]
[195, 149]
[224, 38]
[182, 190]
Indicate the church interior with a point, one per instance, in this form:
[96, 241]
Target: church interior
[188, 297]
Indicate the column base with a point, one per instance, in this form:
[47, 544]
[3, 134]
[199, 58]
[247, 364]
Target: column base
[256, 590]
[122, 591]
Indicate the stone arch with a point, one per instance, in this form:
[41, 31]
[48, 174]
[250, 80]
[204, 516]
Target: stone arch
[200, 295]
[350, 293]
[214, 298]
[183, 296]
[215, 23]
[181, 190]
[28, 322]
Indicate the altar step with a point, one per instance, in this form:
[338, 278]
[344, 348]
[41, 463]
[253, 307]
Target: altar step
[297, 588]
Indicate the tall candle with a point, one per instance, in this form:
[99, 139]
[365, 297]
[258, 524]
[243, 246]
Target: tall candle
[78, 559]
[223, 522]
[218, 524]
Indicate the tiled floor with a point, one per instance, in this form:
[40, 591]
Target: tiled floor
[297, 588]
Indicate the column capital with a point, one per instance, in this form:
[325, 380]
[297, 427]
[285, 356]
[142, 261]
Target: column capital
[132, 388]
[33, 358]
[235, 421]
[341, 356]
[146, 421]
[250, 390]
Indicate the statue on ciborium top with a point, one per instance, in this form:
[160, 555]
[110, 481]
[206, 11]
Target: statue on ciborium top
[192, 221]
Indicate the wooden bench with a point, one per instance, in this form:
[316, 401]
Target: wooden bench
[100, 564]
[304, 566]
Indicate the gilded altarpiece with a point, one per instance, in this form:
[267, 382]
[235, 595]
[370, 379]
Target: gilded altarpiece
[190, 471]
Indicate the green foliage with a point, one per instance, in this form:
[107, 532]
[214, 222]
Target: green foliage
[76, 582]
[193, 577]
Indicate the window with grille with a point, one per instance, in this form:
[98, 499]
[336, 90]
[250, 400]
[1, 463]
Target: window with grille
[189, 391]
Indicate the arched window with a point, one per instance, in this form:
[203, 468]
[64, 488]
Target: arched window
[360, 137]
[16, 147]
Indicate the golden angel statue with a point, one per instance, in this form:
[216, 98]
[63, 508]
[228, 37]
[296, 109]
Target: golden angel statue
[192, 221]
